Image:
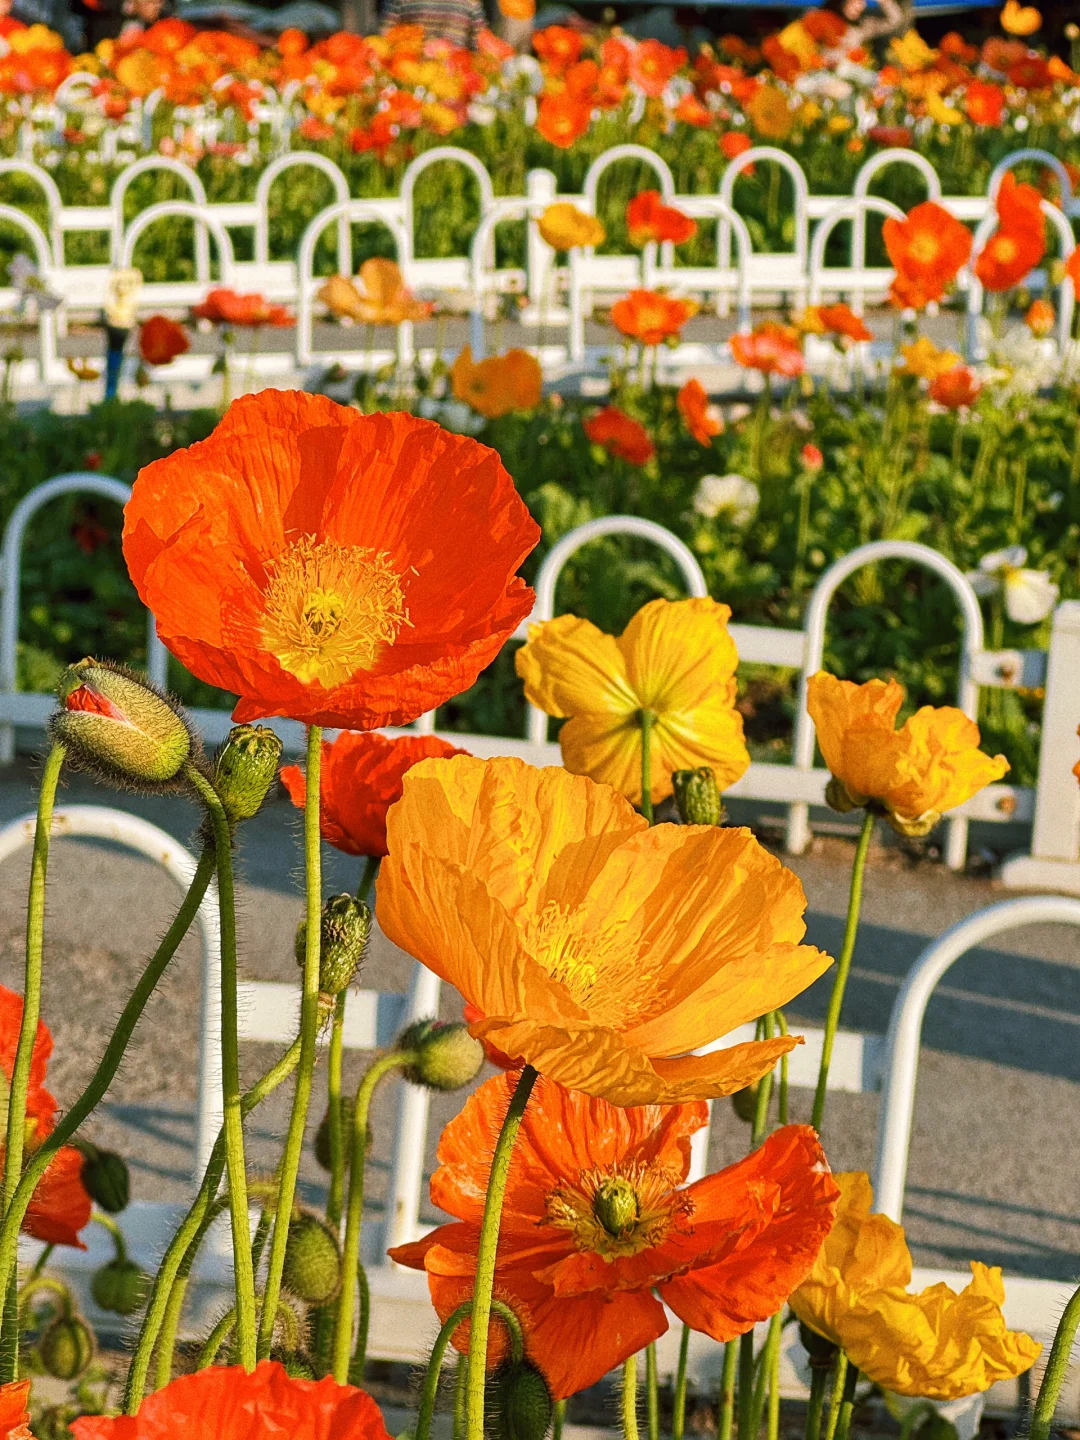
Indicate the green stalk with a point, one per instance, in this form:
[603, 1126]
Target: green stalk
[354, 1215]
[333, 1087]
[646, 718]
[1057, 1368]
[726, 1418]
[103, 1076]
[459, 1400]
[819, 1380]
[840, 1370]
[757, 1403]
[359, 1356]
[216, 1339]
[309, 1028]
[652, 1392]
[847, 1402]
[764, 1094]
[782, 1089]
[746, 1382]
[429, 1393]
[486, 1257]
[678, 1414]
[773, 1412]
[558, 1420]
[843, 967]
[629, 1399]
[174, 1308]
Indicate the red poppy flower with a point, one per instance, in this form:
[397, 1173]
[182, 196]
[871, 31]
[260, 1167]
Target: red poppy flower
[362, 772]
[651, 317]
[14, 1414]
[1031, 73]
[691, 111]
[228, 1404]
[1072, 270]
[227, 307]
[620, 435]
[596, 1218]
[310, 559]
[61, 1206]
[1001, 55]
[562, 119]
[161, 340]
[984, 103]
[649, 219]
[893, 137]
[735, 143]
[653, 64]
[702, 419]
[558, 46]
[956, 388]
[1018, 205]
[841, 320]
[1008, 256]
[928, 248]
[771, 348]
[825, 27]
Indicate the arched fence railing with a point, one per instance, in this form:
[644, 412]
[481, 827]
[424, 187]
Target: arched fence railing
[740, 272]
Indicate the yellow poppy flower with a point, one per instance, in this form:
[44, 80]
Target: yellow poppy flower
[915, 774]
[937, 1343]
[586, 943]
[1017, 19]
[911, 51]
[941, 112]
[564, 227]
[676, 659]
[498, 385]
[925, 361]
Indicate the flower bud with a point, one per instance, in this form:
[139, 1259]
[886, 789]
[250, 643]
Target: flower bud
[837, 797]
[120, 727]
[744, 1103]
[312, 1261]
[447, 1056]
[105, 1177]
[322, 1134]
[697, 796]
[821, 1352]
[345, 930]
[521, 1404]
[66, 1347]
[121, 1287]
[615, 1205]
[295, 1363]
[244, 769]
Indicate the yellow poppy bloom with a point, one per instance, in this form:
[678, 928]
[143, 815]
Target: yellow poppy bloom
[911, 51]
[675, 658]
[941, 112]
[595, 948]
[1017, 19]
[937, 1343]
[498, 385]
[564, 227]
[915, 774]
[924, 360]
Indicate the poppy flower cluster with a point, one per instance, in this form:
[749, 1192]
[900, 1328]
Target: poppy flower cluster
[927, 249]
[1019, 242]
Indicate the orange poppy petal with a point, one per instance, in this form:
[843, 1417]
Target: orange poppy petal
[719, 1073]
[61, 1206]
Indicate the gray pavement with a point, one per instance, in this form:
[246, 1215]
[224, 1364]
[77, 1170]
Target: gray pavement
[998, 1108]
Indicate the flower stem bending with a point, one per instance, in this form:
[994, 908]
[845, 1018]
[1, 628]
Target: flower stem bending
[309, 1027]
[486, 1256]
[843, 967]
[629, 1399]
[678, 1415]
[726, 1418]
[847, 1402]
[363, 1325]
[426, 1414]
[354, 1215]
[1056, 1369]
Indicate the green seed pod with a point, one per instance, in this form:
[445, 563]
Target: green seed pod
[821, 1352]
[121, 728]
[105, 1178]
[66, 1347]
[838, 799]
[744, 1103]
[345, 929]
[447, 1056]
[244, 769]
[322, 1134]
[312, 1261]
[121, 1286]
[294, 1362]
[521, 1404]
[616, 1206]
[697, 796]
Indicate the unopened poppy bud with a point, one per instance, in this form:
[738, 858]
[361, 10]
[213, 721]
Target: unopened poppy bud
[837, 797]
[120, 727]
[66, 1347]
[744, 1103]
[312, 1269]
[446, 1056]
[345, 930]
[615, 1205]
[105, 1177]
[697, 796]
[294, 1362]
[322, 1134]
[244, 769]
[120, 1287]
[521, 1403]
[821, 1352]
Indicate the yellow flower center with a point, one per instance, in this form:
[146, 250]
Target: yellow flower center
[331, 610]
[601, 968]
[621, 1210]
[924, 248]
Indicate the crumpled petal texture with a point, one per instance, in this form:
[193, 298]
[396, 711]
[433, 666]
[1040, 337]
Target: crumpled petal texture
[14, 1414]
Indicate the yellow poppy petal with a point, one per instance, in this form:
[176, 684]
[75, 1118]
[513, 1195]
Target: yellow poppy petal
[570, 667]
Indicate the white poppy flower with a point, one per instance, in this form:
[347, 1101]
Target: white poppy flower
[1030, 595]
[732, 495]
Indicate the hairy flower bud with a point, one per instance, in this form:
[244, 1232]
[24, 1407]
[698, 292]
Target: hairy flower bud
[244, 769]
[66, 1347]
[697, 796]
[295, 1363]
[322, 1134]
[345, 930]
[521, 1404]
[120, 727]
[312, 1261]
[837, 797]
[105, 1177]
[446, 1055]
[615, 1205]
[820, 1352]
[121, 1287]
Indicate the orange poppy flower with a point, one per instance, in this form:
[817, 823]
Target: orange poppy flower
[1017, 19]
[383, 300]
[1008, 256]
[912, 775]
[227, 307]
[649, 219]
[229, 1404]
[701, 419]
[598, 949]
[620, 435]
[1018, 205]
[691, 111]
[841, 320]
[771, 348]
[499, 385]
[362, 773]
[161, 340]
[308, 558]
[650, 317]
[596, 1216]
[14, 1412]
[735, 143]
[984, 103]
[770, 114]
[1040, 318]
[653, 64]
[1072, 270]
[562, 119]
[928, 248]
[61, 1206]
[956, 388]
[558, 46]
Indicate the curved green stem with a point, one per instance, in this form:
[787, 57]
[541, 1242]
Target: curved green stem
[646, 719]
[359, 1357]
[843, 967]
[652, 1392]
[1056, 1369]
[847, 1402]
[629, 1399]
[333, 1085]
[216, 1339]
[819, 1382]
[108, 1223]
[782, 1088]
[428, 1395]
[52, 1287]
[235, 1162]
[106, 1070]
[773, 1428]
[726, 1419]
[354, 1217]
[309, 1028]
[487, 1252]
[678, 1414]
[764, 1094]
[169, 1328]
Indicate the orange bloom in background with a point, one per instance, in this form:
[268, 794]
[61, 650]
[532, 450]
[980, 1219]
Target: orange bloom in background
[362, 773]
[1019, 206]
[1008, 256]
[691, 111]
[558, 46]
[229, 1404]
[517, 9]
[599, 949]
[984, 103]
[701, 419]
[839, 320]
[596, 1216]
[955, 388]
[383, 299]
[735, 143]
[770, 114]
[1072, 270]
[1017, 19]
[676, 659]
[772, 348]
[936, 1344]
[928, 248]
[1040, 318]
[649, 219]
[309, 559]
[61, 1206]
[653, 64]
[651, 317]
[14, 1411]
[620, 435]
[499, 385]
[562, 119]
[227, 307]
[161, 340]
[925, 361]
[913, 775]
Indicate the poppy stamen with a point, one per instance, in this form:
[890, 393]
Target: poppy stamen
[620, 1210]
[601, 968]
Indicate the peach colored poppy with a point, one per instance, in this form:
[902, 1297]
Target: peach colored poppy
[703, 420]
[498, 385]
